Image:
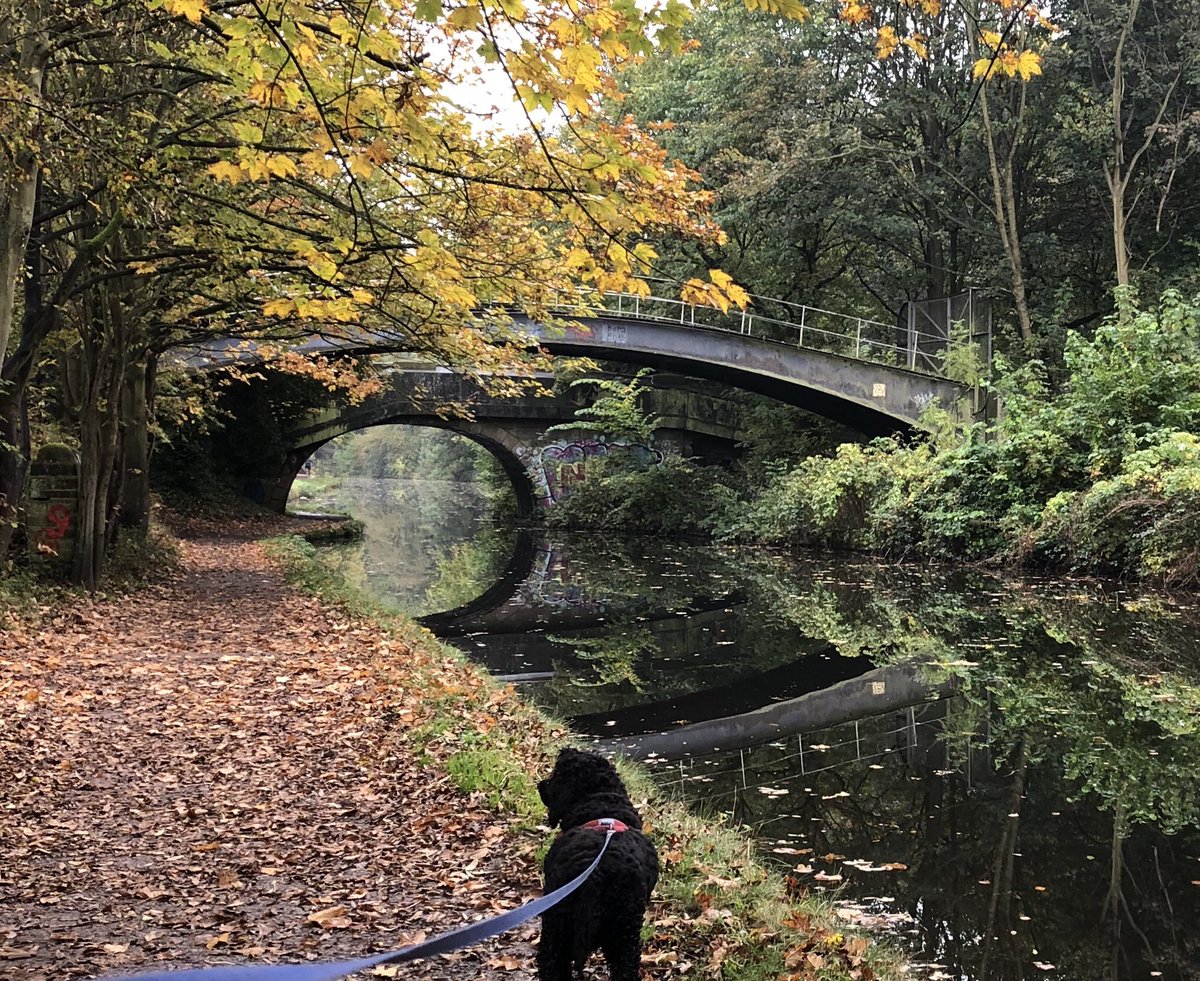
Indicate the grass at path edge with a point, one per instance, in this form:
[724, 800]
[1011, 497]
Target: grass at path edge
[727, 914]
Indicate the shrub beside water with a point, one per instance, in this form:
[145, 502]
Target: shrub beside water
[1099, 474]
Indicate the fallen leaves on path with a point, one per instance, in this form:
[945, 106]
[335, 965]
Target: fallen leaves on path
[208, 771]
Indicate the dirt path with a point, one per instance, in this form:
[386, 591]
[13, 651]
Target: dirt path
[194, 775]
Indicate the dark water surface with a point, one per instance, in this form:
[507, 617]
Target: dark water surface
[1002, 771]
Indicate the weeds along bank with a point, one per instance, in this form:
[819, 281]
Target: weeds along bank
[718, 912]
[1094, 467]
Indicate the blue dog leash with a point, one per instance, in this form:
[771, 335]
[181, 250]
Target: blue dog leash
[463, 936]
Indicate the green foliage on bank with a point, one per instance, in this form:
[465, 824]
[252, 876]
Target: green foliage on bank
[1098, 473]
[677, 497]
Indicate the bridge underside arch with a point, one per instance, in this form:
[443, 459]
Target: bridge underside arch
[495, 439]
[872, 397]
[870, 422]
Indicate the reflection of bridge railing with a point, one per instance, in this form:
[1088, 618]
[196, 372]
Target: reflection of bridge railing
[781, 320]
[807, 760]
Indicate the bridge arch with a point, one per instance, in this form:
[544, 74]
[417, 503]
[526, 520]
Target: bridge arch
[693, 421]
[875, 398]
[493, 438]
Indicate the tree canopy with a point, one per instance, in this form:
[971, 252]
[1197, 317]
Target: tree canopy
[176, 170]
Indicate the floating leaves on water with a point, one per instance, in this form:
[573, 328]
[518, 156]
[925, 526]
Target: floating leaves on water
[865, 866]
[774, 791]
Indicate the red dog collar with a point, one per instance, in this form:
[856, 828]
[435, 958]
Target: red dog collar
[605, 824]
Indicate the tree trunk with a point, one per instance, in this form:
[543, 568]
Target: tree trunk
[14, 461]
[18, 188]
[37, 320]
[103, 365]
[1004, 207]
[1121, 167]
[134, 512]
[1120, 241]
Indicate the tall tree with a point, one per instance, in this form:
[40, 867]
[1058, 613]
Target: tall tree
[1143, 53]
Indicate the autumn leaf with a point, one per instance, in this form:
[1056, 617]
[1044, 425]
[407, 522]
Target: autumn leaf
[1028, 65]
[853, 12]
[226, 170]
[791, 9]
[886, 42]
[193, 10]
[280, 307]
[331, 918]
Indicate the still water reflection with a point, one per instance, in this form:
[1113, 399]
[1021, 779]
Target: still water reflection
[1003, 771]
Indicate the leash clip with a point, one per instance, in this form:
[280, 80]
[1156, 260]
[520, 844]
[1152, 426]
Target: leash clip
[609, 825]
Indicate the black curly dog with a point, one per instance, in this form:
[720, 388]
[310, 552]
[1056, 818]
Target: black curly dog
[606, 912]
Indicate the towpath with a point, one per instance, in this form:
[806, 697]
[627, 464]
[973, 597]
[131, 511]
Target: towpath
[212, 770]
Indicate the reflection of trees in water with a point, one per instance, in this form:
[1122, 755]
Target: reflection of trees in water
[1091, 711]
[979, 840]
[468, 568]
[1105, 724]
[1107, 685]
[409, 527]
[613, 658]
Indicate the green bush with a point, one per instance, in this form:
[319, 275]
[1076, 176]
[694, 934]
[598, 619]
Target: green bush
[1143, 522]
[676, 497]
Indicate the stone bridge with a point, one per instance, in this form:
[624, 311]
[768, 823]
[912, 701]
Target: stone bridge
[861, 373]
[694, 421]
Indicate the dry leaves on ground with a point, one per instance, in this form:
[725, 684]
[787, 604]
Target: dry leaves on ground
[206, 772]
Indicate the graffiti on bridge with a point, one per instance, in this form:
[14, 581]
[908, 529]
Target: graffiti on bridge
[555, 468]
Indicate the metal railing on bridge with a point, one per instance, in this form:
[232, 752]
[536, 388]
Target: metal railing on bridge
[791, 323]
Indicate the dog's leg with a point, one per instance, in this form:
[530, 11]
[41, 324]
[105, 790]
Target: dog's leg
[622, 949]
[554, 950]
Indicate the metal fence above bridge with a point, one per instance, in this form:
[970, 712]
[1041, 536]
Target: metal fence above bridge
[907, 345]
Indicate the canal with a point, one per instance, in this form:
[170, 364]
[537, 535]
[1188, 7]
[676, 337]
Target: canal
[1000, 771]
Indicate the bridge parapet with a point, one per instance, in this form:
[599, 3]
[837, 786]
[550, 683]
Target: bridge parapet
[861, 338]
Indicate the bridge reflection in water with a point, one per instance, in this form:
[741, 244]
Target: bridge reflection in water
[679, 676]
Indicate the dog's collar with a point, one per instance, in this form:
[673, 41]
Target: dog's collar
[605, 824]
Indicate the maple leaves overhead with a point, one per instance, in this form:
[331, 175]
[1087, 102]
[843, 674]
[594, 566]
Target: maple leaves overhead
[1009, 52]
[382, 203]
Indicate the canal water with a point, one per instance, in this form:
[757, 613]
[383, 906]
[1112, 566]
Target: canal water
[1000, 771]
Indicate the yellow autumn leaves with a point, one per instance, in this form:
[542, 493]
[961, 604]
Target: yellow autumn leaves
[1005, 61]
[1002, 58]
[720, 292]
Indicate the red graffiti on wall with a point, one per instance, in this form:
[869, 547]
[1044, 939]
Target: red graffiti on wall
[59, 518]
